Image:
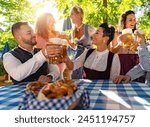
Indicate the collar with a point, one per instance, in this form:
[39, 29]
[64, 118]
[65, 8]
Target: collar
[103, 52]
[32, 52]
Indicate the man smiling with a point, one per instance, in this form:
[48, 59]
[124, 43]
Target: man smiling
[26, 63]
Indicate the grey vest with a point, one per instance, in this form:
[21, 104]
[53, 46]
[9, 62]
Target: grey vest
[84, 42]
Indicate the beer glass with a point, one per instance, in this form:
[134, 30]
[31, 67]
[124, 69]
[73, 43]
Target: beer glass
[137, 35]
[62, 57]
[127, 38]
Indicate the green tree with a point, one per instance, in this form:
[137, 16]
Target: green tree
[144, 21]
[14, 11]
[98, 11]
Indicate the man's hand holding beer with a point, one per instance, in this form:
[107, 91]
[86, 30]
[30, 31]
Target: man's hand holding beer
[51, 50]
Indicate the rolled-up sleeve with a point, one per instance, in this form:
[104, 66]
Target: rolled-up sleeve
[136, 72]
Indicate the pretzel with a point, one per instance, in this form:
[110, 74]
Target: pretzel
[68, 89]
[72, 83]
[34, 87]
[59, 89]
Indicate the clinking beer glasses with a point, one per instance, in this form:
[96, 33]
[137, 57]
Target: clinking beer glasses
[62, 56]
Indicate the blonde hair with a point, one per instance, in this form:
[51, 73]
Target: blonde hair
[77, 9]
[45, 25]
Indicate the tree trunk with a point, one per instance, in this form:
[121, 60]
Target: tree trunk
[105, 5]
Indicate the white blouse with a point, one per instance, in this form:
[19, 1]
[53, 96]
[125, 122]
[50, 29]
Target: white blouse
[98, 61]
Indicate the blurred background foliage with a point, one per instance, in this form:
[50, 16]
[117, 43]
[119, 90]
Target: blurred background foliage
[98, 11]
[95, 11]
[13, 11]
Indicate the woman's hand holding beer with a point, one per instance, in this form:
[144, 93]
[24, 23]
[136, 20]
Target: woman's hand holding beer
[64, 35]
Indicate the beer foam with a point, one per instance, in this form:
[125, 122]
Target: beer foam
[128, 30]
[58, 41]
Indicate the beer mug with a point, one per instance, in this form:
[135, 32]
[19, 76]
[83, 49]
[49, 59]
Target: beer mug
[62, 57]
[140, 33]
[127, 38]
[137, 35]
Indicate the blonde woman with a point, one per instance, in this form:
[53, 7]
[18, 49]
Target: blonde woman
[45, 29]
[80, 35]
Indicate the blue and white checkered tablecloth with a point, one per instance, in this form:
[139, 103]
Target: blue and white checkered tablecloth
[10, 95]
[106, 95]
[103, 95]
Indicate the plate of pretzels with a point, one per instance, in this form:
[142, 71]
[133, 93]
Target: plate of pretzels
[59, 89]
[62, 94]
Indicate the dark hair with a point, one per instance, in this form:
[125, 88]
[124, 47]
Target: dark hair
[108, 31]
[124, 18]
[16, 27]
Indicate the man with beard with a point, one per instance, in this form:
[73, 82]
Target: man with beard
[26, 63]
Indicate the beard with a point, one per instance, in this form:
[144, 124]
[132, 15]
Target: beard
[31, 41]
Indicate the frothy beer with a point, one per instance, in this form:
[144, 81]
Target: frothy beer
[128, 40]
[60, 58]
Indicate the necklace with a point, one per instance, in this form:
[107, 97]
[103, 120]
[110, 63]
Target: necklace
[78, 28]
[78, 32]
